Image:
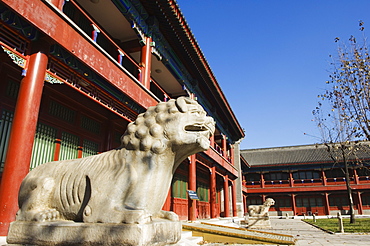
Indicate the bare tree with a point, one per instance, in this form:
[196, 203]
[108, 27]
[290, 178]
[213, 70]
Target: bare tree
[343, 115]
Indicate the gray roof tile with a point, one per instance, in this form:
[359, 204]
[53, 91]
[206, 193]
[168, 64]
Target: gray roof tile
[298, 154]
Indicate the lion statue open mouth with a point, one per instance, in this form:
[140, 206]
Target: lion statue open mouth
[126, 185]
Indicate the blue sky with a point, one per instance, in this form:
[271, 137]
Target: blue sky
[271, 59]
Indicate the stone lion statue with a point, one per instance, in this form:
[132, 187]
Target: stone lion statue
[126, 185]
[261, 210]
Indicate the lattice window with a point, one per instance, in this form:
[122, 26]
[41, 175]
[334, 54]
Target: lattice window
[276, 176]
[254, 200]
[12, 89]
[5, 126]
[338, 201]
[44, 145]
[90, 124]
[62, 112]
[68, 146]
[365, 197]
[89, 148]
[179, 186]
[117, 138]
[282, 202]
[309, 202]
[253, 177]
[202, 191]
[334, 173]
[306, 175]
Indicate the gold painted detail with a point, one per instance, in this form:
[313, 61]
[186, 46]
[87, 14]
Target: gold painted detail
[17, 59]
[52, 79]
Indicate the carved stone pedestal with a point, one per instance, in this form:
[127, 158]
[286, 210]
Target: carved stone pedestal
[259, 222]
[158, 232]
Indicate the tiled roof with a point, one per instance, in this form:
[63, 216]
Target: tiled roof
[178, 33]
[297, 155]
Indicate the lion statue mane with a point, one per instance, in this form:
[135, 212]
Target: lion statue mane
[126, 185]
[261, 210]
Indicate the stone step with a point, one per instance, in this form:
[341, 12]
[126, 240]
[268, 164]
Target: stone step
[257, 236]
[187, 239]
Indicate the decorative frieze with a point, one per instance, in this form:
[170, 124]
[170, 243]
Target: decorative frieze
[17, 59]
[52, 79]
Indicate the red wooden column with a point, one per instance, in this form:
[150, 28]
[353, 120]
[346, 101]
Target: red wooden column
[245, 204]
[57, 149]
[213, 192]
[192, 186]
[146, 62]
[233, 198]
[355, 176]
[226, 196]
[79, 151]
[167, 203]
[224, 146]
[18, 156]
[262, 181]
[327, 206]
[291, 180]
[324, 183]
[359, 200]
[294, 206]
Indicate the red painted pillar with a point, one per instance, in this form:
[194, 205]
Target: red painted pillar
[18, 157]
[224, 146]
[262, 181]
[359, 200]
[167, 203]
[291, 180]
[327, 205]
[294, 206]
[79, 151]
[226, 196]
[324, 182]
[146, 62]
[192, 186]
[355, 176]
[213, 192]
[233, 198]
[57, 149]
[245, 204]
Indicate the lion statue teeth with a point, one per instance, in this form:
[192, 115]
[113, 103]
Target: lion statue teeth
[125, 185]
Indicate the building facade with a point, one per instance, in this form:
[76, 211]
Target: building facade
[304, 180]
[74, 73]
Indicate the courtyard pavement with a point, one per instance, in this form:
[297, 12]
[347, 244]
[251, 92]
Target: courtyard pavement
[310, 235]
[304, 233]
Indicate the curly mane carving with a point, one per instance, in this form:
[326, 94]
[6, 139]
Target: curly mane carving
[126, 185]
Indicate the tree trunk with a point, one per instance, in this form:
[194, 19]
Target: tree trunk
[349, 193]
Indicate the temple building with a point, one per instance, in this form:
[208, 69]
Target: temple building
[304, 180]
[74, 73]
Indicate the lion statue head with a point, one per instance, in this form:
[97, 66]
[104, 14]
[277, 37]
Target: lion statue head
[269, 202]
[179, 124]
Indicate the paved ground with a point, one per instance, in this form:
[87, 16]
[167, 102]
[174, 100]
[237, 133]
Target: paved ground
[309, 235]
[305, 235]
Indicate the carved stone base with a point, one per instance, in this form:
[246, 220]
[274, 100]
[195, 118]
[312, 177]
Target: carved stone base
[158, 232]
[259, 223]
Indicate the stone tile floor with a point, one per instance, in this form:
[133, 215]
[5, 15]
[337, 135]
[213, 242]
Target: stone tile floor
[305, 234]
[309, 235]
